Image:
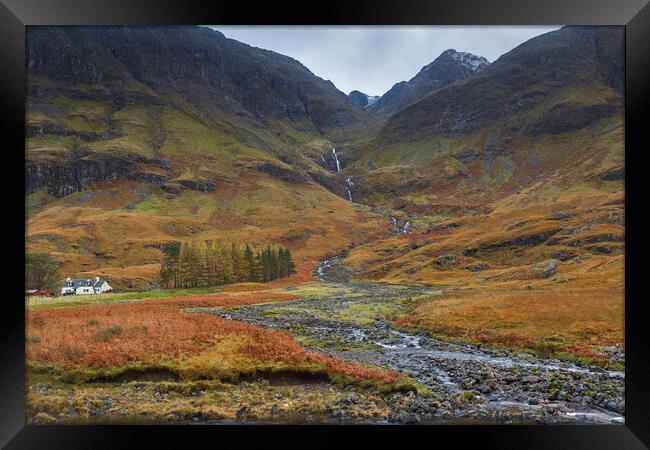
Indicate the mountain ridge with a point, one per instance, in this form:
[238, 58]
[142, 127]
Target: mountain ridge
[450, 66]
[167, 130]
[552, 85]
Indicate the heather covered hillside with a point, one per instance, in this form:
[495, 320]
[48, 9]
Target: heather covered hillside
[519, 164]
[176, 133]
[550, 111]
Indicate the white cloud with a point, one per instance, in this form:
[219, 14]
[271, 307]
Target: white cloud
[373, 58]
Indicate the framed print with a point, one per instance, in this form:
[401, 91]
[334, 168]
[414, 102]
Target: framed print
[394, 220]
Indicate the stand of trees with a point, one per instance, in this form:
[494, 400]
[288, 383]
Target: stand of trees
[206, 264]
[42, 271]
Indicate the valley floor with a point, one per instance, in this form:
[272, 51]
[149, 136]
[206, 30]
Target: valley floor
[321, 352]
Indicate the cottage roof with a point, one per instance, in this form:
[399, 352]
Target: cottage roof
[82, 282]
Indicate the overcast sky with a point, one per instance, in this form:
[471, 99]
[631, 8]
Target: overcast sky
[372, 59]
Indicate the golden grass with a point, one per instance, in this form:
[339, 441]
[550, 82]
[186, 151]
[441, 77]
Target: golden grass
[159, 332]
[572, 311]
[551, 321]
[112, 232]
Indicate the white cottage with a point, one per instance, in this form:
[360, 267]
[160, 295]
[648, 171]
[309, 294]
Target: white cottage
[83, 286]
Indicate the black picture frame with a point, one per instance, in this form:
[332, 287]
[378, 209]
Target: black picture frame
[16, 14]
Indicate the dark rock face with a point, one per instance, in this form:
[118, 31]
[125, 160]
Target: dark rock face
[449, 67]
[204, 185]
[231, 88]
[606, 237]
[62, 178]
[477, 266]
[285, 174]
[234, 76]
[358, 98]
[525, 240]
[564, 255]
[614, 175]
[565, 117]
[445, 260]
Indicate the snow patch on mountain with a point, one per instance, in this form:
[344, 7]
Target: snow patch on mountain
[469, 60]
[361, 99]
[372, 99]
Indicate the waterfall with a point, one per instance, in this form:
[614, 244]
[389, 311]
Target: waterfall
[349, 182]
[405, 229]
[338, 164]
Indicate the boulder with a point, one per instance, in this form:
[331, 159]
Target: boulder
[477, 266]
[531, 379]
[546, 268]
[446, 260]
[564, 255]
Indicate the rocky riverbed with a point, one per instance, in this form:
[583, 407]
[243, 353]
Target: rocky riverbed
[466, 383]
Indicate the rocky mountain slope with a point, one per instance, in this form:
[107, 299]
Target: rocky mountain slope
[362, 100]
[117, 87]
[177, 132]
[550, 108]
[142, 136]
[449, 67]
[514, 175]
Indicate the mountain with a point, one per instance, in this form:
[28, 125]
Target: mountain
[137, 137]
[447, 68]
[175, 133]
[521, 163]
[553, 105]
[255, 99]
[362, 100]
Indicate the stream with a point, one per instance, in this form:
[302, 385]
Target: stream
[467, 382]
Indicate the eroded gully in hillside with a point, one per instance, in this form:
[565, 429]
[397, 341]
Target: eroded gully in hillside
[466, 382]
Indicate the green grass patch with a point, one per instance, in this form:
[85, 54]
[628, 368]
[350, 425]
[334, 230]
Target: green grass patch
[108, 334]
[36, 303]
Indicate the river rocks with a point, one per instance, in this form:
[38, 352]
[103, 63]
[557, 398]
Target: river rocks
[463, 381]
[243, 411]
[532, 379]
[485, 389]
[409, 419]
[349, 400]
